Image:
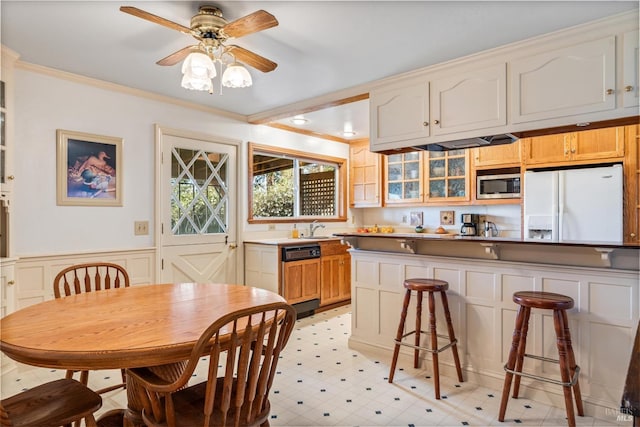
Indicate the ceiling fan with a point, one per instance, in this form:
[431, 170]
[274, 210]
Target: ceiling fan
[212, 31]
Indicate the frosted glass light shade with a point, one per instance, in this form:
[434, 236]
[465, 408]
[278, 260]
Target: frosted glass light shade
[198, 71]
[236, 75]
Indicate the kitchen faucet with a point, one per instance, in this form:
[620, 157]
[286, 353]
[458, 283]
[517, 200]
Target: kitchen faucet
[313, 228]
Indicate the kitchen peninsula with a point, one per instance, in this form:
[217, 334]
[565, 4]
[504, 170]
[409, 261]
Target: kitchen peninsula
[483, 274]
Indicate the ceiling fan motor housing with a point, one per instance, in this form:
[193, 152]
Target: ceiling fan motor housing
[208, 22]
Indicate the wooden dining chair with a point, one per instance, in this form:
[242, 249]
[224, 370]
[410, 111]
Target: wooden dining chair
[90, 277]
[52, 404]
[243, 349]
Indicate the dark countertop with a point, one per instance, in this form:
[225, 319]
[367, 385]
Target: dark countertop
[482, 239]
[605, 255]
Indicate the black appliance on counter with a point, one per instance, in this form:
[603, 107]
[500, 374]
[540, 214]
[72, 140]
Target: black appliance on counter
[301, 253]
[470, 224]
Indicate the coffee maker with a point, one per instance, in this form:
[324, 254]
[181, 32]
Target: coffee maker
[469, 224]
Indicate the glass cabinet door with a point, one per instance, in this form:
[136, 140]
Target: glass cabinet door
[404, 178]
[447, 175]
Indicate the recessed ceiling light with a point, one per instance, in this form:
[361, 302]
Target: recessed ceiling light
[299, 120]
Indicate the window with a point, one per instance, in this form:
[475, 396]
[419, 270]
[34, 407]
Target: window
[289, 186]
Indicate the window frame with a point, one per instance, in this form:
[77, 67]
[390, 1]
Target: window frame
[341, 187]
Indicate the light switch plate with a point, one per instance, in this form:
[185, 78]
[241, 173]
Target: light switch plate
[447, 217]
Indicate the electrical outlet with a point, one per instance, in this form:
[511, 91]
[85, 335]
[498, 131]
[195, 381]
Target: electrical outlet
[482, 219]
[141, 228]
[404, 219]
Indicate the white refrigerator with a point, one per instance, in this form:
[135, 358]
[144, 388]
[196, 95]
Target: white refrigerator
[574, 205]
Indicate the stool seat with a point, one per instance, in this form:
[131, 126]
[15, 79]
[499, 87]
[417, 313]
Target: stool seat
[543, 300]
[431, 287]
[426, 285]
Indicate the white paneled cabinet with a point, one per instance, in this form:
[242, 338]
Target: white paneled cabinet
[399, 113]
[469, 101]
[7, 286]
[630, 70]
[570, 81]
[261, 265]
[602, 322]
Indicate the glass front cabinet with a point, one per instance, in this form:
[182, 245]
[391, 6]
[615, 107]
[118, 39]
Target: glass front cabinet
[446, 176]
[431, 177]
[403, 177]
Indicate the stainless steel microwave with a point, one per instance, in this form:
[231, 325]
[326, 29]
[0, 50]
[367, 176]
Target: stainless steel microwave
[498, 186]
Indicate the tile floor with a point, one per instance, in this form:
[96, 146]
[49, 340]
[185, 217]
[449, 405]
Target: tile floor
[322, 382]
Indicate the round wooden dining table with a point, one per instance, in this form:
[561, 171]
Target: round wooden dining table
[137, 326]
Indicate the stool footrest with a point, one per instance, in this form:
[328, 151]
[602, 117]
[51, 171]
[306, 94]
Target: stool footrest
[438, 350]
[571, 383]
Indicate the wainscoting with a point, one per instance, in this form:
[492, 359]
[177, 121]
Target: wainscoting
[34, 274]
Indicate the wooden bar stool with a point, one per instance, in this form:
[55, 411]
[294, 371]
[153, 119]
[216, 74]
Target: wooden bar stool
[430, 286]
[568, 369]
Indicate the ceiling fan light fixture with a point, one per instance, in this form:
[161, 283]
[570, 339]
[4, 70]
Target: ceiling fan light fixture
[236, 75]
[198, 70]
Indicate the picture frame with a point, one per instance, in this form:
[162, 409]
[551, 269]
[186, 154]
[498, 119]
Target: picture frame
[89, 169]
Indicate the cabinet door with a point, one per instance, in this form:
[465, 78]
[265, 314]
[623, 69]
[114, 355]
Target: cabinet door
[545, 149]
[630, 70]
[631, 223]
[365, 176]
[447, 176]
[597, 144]
[336, 279]
[399, 114]
[497, 155]
[565, 82]
[7, 288]
[473, 100]
[403, 178]
[301, 280]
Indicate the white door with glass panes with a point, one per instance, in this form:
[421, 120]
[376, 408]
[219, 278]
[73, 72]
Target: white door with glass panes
[197, 195]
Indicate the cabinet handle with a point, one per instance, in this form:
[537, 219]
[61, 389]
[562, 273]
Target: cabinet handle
[573, 150]
[632, 234]
[425, 124]
[609, 91]
[436, 122]
[11, 177]
[628, 88]
[11, 282]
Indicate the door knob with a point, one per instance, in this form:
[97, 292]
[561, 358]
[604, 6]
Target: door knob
[233, 246]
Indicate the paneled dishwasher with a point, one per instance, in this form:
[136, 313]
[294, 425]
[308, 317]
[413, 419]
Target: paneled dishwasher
[301, 277]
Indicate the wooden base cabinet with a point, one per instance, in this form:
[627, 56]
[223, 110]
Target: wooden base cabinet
[301, 280]
[335, 273]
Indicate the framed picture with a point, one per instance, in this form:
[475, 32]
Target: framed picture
[89, 169]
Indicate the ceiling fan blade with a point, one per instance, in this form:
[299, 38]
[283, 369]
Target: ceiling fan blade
[257, 21]
[177, 56]
[253, 59]
[155, 19]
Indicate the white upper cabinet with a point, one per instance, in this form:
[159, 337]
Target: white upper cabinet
[473, 100]
[570, 81]
[630, 70]
[399, 113]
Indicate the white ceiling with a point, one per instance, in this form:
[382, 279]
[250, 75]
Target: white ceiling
[321, 47]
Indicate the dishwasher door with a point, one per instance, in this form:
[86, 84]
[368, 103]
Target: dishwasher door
[301, 278]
